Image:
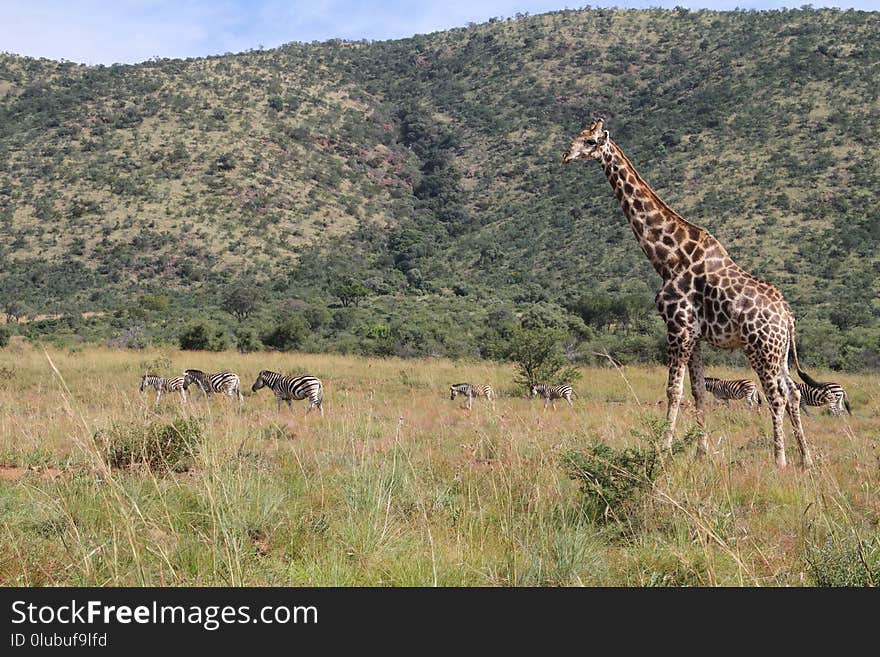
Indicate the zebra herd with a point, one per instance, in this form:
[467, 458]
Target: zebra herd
[286, 388]
[813, 393]
[289, 388]
[550, 393]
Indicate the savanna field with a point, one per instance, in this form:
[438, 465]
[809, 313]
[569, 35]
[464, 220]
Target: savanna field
[399, 485]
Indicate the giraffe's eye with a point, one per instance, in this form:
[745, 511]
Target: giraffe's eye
[591, 142]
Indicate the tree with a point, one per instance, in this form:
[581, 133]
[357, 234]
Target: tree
[538, 356]
[351, 293]
[596, 309]
[241, 301]
[287, 336]
[202, 336]
[14, 310]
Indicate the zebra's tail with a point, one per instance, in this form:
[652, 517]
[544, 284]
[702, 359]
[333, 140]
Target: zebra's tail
[846, 403]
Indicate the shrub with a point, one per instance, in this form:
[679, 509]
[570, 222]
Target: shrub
[5, 334]
[246, 341]
[538, 356]
[159, 446]
[612, 481]
[202, 336]
[158, 364]
[851, 561]
[287, 336]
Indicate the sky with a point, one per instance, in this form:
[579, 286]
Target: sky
[132, 31]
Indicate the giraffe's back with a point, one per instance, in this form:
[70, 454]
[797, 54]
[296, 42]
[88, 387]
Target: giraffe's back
[740, 310]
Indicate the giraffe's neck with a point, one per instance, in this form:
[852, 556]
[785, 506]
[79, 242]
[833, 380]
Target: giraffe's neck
[666, 238]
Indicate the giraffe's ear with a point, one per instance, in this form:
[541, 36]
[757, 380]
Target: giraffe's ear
[603, 138]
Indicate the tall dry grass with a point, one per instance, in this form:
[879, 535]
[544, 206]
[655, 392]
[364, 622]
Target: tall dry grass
[398, 485]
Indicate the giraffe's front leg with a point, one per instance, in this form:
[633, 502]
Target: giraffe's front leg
[698, 389]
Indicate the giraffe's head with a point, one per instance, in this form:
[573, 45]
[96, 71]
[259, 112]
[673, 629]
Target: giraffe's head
[589, 144]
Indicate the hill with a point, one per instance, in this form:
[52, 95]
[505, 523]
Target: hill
[407, 196]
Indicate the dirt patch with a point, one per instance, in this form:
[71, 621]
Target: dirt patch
[15, 472]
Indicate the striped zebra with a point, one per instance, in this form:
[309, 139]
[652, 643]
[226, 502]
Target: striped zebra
[814, 393]
[726, 390]
[552, 393]
[471, 391]
[163, 384]
[227, 383]
[292, 387]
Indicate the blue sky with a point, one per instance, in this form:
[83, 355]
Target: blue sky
[130, 31]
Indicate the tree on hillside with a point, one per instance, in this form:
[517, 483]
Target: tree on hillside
[15, 311]
[241, 301]
[350, 292]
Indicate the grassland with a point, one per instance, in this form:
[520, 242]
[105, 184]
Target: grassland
[398, 485]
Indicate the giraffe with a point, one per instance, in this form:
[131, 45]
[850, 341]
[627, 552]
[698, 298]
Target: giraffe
[705, 296]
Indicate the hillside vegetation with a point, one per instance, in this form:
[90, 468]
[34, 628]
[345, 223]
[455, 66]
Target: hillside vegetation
[407, 197]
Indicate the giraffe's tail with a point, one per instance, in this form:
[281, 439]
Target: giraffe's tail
[792, 350]
[810, 381]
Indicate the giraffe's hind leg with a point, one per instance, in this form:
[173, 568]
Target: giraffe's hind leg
[698, 390]
[774, 390]
[794, 414]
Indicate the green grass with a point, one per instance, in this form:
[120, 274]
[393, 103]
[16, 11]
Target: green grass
[397, 485]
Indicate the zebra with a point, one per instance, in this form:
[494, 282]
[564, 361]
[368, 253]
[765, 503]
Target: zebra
[292, 387]
[163, 384]
[726, 390]
[471, 391]
[225, 382]
[552, 393]
[814, 393]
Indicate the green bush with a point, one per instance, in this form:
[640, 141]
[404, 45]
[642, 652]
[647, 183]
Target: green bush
[246, 341]
[159, 446]
[538, 356]
[202, 336]
[851, 561]
[612, 481]
[5, 334]
[287, 336]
